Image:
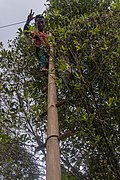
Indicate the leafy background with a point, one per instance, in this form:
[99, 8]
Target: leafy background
[85, 36]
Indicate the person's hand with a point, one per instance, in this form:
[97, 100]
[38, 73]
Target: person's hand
[30, 16]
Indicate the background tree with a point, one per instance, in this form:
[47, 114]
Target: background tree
[20, 110]
[85, 37]
[16, 162]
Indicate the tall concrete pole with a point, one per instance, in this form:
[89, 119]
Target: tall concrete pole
[53, 169]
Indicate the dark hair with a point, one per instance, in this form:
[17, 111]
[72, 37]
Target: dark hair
[39, 16]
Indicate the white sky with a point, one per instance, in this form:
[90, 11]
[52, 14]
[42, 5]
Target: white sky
[13, 11]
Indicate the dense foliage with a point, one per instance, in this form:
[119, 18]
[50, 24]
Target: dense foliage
[23, 105]
[16, 162]
[86, 41]
[86, 37]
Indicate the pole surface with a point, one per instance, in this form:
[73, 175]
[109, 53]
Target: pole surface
[53, 169]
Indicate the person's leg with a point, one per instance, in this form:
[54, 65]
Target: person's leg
[42, 59]
[40, 54]
[46, 60]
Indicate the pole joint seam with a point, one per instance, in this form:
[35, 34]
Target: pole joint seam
[51, 137]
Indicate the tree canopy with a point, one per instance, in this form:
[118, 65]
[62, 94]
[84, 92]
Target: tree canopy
[85, 36]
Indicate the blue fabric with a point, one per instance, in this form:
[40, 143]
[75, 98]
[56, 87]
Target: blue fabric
[42, 59]
[40, 53]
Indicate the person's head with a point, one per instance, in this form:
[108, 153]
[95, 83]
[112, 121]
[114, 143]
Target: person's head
[39, 22]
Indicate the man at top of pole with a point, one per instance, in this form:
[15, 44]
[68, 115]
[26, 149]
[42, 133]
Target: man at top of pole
[40, 39]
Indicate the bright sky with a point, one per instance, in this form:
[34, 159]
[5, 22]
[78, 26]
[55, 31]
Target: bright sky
[14, 11]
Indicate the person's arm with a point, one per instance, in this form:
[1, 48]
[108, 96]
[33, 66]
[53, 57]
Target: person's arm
[29, 19]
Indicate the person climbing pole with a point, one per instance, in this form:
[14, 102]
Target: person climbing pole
[39, 37]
